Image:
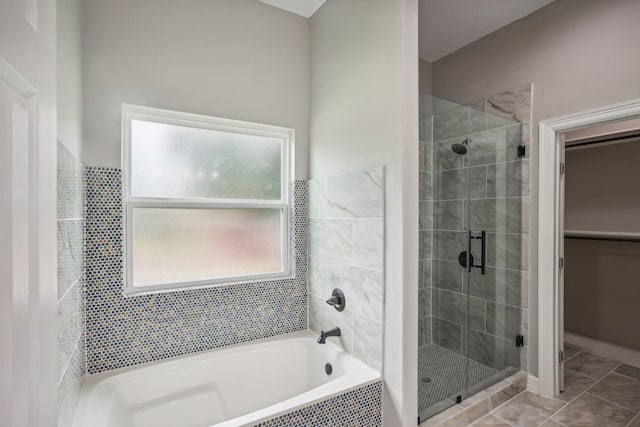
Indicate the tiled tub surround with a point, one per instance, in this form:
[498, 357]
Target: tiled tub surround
[123, 331]
[203, 388]
[346, 241]
[498, 181]
[70, 257]
[361, 407]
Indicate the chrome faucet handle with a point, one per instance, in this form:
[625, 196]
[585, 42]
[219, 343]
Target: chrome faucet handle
[337, 299]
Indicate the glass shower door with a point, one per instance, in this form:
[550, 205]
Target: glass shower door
[442, 354]
[495, 236]
[471, 252]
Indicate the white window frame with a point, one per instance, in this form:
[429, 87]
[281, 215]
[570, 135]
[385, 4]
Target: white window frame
[286, 135]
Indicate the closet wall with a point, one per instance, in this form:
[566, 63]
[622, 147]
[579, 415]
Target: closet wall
[602, 289]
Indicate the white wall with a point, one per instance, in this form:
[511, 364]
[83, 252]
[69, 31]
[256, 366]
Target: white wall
[69, 75]
[579, 54]
[237, 59]
[364, 113]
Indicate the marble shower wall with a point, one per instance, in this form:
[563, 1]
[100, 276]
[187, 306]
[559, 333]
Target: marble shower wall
[70, 259]
[427, 106]
[346, 244]
[498, 183]
[437, 117]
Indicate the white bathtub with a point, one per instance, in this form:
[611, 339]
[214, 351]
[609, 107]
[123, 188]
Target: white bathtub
[234, 386]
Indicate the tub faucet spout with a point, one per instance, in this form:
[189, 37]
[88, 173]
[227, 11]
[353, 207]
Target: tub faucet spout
[335, 332]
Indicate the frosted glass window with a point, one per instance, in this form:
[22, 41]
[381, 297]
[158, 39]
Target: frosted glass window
[206, 199]
[186, 162]
[186, 245]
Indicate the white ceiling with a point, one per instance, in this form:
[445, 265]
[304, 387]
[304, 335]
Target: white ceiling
[447, 25]
[304, 8]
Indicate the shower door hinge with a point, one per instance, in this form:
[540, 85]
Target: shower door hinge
[561, 169]
[561, 357]
[561, 263]
[519, 341]
[522, 150]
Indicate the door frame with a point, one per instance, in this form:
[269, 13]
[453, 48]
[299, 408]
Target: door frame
[551, 235]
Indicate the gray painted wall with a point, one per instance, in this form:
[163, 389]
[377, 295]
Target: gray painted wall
[425, 69]
[237, 59]
[364, 100]
[579, 54]
[601, 192]
[631, 125]
[601, 291]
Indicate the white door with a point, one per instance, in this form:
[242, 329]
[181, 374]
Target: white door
[27, 213]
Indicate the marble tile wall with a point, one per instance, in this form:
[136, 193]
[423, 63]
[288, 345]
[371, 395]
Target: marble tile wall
[70, 259]
[128, 330]
[429, 107]
[491, 183]
[346, 243]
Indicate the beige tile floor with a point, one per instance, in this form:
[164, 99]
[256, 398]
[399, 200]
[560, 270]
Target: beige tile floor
[598, 392]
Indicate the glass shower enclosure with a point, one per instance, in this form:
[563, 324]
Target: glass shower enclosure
[473, 250]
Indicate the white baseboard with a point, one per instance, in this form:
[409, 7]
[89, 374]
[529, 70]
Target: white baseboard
[532, 384]
[604, 349]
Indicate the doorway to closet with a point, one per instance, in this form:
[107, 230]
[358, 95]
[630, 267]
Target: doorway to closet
[600, 249]
[553, 133]
[612, 125]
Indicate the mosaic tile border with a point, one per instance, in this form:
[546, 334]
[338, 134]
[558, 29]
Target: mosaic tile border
[361, 407]
[124, 331]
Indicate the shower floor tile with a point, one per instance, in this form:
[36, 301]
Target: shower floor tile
[441, 374]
